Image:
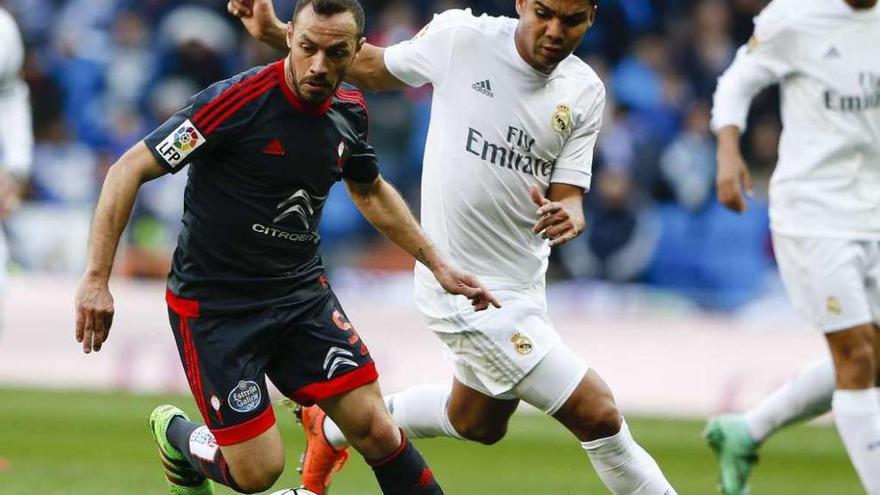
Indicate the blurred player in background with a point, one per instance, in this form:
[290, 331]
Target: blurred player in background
[247, 294]
[825, 217]
[508, 159]
[16, 136]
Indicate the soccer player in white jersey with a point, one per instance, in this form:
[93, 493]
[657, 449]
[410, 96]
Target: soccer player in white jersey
[16, 138]
[508, 159]
[825, 216]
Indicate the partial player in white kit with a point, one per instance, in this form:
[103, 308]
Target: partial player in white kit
[825, 217]
[514, 121]
[16, 137]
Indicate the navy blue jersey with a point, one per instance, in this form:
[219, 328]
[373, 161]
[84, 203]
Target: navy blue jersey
[261, 166]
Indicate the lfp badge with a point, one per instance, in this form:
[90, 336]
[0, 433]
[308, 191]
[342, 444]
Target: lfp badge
[186, 139]
[179, 143]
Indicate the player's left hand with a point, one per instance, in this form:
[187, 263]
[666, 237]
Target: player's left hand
[465, 284]
[555, 222]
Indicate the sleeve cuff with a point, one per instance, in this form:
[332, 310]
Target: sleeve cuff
[161, 160]
[394, 65]
[577, 178]
[721, 121]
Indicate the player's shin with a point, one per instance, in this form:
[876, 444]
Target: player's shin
[803, 397]
[405, 472]
[625, 467]
[857, 416]
[197, 444]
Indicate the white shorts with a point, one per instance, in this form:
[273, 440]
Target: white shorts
[832, 282]
[495, 350]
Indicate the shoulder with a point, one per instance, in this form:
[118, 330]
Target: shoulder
[464, 20]
[249, 80]
[6, 20]
[587, 87]
[219, 101]
[782, 17]
[350, 102]
[8, 29]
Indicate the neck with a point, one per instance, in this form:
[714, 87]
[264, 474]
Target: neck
[521, 50]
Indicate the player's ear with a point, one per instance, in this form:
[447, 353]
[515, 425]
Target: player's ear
[591, 17]
[360, 44]
[521, 7]
[289, 34]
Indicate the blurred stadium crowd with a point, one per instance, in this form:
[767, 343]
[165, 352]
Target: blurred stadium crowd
[103, 73]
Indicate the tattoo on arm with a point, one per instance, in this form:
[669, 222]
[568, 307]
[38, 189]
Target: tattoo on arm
[422, 258]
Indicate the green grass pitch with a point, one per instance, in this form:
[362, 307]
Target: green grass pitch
[75, 443]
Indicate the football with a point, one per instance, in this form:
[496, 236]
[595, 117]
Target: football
[293, 491]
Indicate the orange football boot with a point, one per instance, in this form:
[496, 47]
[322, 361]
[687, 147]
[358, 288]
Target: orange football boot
[320, 460]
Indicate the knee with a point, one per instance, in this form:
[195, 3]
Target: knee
[256, 477]
[856, 365]
[375, 435]
[591, 420]
[481, 432]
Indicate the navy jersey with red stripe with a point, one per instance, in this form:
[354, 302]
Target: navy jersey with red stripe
[261, 166]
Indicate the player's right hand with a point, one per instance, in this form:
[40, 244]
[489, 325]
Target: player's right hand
[733, 180]
[258, 16]
[94, 314]
[467, 285]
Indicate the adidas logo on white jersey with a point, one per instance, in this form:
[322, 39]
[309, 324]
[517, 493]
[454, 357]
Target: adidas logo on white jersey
[832, 53]
[484, 87]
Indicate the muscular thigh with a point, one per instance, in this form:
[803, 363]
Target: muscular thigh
[471, 409]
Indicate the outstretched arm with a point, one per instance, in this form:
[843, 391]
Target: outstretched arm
[758, 64]
[94, 304]
[367, 72]
[383, 207]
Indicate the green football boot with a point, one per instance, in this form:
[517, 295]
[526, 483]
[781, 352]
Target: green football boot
[737, 453]
[182, 478]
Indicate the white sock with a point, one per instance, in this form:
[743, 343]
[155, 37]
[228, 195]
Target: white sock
[625, 467]
[805, 396]
[857, 415]
[420, 412]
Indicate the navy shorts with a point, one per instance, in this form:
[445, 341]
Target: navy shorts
[310, 352]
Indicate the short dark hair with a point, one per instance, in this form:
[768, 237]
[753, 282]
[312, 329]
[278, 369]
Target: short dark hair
[330, 7]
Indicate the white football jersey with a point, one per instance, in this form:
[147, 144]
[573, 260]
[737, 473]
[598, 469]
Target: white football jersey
[497, 126]
[826, 56]
[16, 139]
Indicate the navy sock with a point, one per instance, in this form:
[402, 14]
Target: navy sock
[198, 446]
[405, 472]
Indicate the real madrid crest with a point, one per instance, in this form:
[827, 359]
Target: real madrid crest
[562, 119]
[833, 306]
[521, 343]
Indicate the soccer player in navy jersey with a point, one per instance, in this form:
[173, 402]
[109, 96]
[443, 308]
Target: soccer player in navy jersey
[247, 296]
